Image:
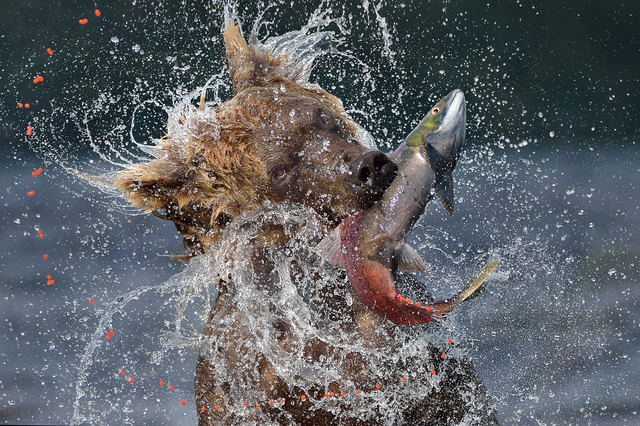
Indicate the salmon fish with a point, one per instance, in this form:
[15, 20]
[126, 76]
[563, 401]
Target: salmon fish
[371, 244]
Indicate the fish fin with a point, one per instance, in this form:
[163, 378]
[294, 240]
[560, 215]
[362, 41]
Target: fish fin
[476, 285]
[444, 190]
[373, 245]
[409, 260]
[331, 247]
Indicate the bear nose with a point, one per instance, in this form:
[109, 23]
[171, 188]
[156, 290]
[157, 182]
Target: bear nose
[373, 169]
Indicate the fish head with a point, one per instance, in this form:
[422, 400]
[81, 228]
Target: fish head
[446, 133]
[441, 133]
[440, 137]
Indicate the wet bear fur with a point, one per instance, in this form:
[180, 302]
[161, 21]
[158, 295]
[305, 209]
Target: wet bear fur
[268, 146]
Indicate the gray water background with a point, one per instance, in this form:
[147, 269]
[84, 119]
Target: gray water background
[557, 341]
[555, 338]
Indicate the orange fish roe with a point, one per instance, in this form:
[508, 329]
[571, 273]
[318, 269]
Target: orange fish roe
[97, 12]
[37, 172]
[31, 193]
[29, 130]
[20, 105]
[84, 21]
[50, 52]
[38, 79]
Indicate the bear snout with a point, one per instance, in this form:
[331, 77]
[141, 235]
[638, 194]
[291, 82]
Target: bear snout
[373, 170]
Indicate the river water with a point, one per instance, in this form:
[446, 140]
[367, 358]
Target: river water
[555, 336]
[552, 189]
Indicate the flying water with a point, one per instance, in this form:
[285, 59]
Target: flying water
[512, 201]
[295, 298]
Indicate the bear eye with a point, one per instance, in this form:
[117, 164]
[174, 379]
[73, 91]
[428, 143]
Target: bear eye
[326, 118]
[279, 172]
[435, 111]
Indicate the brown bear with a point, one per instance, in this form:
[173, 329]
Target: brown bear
[252, 185]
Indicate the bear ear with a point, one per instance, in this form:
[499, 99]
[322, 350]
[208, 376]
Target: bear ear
[248, 65]
[239, 57]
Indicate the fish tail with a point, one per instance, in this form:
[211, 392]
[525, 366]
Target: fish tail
[472, 289]
[477, 283]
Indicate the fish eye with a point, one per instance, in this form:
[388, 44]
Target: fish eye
[435, 111]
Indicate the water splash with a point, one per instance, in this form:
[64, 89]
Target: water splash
[294, 297]
[109, 119]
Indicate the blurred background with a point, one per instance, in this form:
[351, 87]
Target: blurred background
[549, 180]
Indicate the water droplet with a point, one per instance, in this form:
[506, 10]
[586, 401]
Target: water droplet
[552, 134]
[115, 40]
